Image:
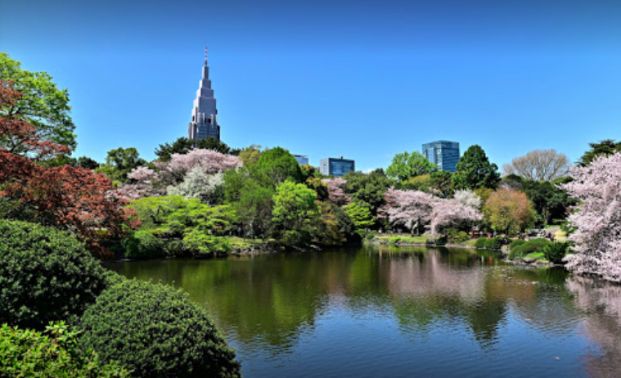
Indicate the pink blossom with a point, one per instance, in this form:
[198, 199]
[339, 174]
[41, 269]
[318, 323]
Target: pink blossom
[209, 160]
[453, 213]
[597, 239]
[407, 208]
[336, 190]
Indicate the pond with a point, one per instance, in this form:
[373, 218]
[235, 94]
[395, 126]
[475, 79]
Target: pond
[401, 312]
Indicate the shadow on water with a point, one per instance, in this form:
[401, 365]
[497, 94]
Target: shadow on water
[301, 305]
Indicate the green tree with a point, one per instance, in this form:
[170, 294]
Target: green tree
[369, 188]
[442, 183]
[474, 170]
[119, 162]
[360, 214]
[295, 213]
[86, 162]
[41, 103]
[603, 148]
[254, 209]
[274, 166]
[405, 165]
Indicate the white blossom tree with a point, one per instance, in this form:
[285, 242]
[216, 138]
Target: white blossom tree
[454, 213]
[198, 184]
[597, 239]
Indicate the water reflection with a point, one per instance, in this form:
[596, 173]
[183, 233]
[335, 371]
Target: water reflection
[267, 304]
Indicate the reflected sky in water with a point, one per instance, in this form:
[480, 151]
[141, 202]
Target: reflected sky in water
[401, 312]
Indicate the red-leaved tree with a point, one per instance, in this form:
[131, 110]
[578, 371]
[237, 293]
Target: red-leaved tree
[72, 198]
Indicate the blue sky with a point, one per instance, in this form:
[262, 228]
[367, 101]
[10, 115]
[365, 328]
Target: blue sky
[363, 79]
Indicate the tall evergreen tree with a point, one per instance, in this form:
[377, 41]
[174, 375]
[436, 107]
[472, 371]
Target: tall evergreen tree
[474, 170]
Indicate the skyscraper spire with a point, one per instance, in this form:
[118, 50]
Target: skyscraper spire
[204, 124]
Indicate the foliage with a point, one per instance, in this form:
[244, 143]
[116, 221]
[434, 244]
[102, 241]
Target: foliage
[518, 250]
[539, 165]
[198, 184]
[52, 353]
[86, 162]
[492, 244]
[549, 200]
[369, 188]
[360, 214]
[204, 244]
[143, 244]
[174, 220]
[405, 165]
[334, 228]
[605, 147]
[597, 221]
[156, 330]
[555, 251]
[474, 170]
[442, 183]
[40, 104]
[295, 213]
[420, 182]
[274, 166]
[457, 236]
[250, 155]
[508, 211]
[45, 275]
[254, 209]
[184, 145]
[120, 162]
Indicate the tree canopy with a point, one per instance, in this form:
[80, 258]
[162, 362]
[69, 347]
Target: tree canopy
[41, 103]
[474, 170]
[539, 165]
[405, 165]
[605, 147]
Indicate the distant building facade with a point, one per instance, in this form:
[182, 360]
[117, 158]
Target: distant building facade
[204, 123]
[301, 159]
[443, 153]
[336, 166]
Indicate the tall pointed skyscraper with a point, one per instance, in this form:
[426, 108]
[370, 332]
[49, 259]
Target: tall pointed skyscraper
[204, 123]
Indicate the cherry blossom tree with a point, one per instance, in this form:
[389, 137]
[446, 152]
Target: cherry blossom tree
[198, 184]
[336, 190]
[455, 213]
[468, 198]
[209, 160]
[597, 239]
[410, 209]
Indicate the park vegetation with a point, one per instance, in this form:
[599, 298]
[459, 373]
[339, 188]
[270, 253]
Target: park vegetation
[206, 199]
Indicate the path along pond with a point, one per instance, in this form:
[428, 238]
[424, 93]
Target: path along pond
[401, 312]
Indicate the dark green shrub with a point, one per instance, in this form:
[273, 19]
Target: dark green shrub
[52, 353]
[518, 250]
[555, 251]
[457, 236]
[45, 275]
[494, 243]
[155, 330]
[142, 244]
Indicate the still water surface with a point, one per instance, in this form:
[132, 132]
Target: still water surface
[401, 313]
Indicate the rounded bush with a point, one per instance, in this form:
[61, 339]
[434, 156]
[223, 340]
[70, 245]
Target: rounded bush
[155, 331]
[518, 250]
[45, 275]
